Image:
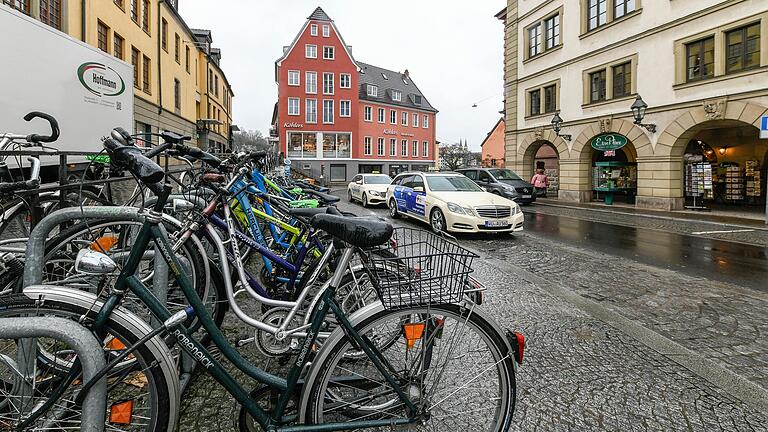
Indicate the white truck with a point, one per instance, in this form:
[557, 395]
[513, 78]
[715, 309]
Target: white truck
[87, 90]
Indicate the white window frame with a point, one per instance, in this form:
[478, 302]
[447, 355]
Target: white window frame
[393, 117]
[310, 82]
[415, 148]
[425, 121]
[307, 111]
[313, 29]
[425, 149]
[367, 146]
[328, 81]
[309, 50]
[382, 115]
[294, 102]
[326, 30]
[332, 51]
[381, 147]
[297, 75]
[328, 119]
[372, 90]
[397, 95]
[404, 148]
[348, 111]
[415, 120]
[404, 118]
[342, 77]
[368, 113]
[393, 147]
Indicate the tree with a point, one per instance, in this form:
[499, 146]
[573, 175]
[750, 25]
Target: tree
[250, 140]
[454, 156]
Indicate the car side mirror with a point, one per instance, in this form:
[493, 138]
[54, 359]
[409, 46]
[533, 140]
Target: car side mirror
[418, 189]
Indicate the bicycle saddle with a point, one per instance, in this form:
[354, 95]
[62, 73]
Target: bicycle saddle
[362, 232]
[174, 138]
[330, 199]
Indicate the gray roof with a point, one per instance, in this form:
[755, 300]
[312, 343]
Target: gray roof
[375, 75]
[319, 15]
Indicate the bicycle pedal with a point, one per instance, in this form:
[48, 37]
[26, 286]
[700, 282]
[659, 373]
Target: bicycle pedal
[245, 341]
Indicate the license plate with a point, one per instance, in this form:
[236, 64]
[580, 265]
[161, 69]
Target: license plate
[527, 196]
[496, 223]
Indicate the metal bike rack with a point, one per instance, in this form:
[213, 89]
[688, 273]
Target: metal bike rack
[89, 352]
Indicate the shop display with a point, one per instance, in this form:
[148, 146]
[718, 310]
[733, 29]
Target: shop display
[698, 183]
[615, 175]
[734, 183]
[752, 174]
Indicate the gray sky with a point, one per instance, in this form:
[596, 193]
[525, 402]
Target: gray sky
[452, 49]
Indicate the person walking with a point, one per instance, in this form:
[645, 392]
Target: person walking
[540, 182]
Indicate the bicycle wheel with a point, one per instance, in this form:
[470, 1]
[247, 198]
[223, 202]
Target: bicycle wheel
[142, 396]
[459, 372]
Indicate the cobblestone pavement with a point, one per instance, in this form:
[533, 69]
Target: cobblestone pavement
[580, 372]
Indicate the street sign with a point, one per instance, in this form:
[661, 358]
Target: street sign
[609, 142]
[764, 127]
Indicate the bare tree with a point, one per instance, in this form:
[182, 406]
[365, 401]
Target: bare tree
[454, 156]
[250, 140]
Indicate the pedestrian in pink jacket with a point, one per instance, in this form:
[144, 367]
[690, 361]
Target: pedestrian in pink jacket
[540, 182]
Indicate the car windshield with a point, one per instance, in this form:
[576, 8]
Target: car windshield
[379, 179]
[452, 184]
[504, 174]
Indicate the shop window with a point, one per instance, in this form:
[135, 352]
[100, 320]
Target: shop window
[345, 80]
[367, 146]
[293, 106]
[336, 145]
[345, 108]
[310, 51]
[535, 102]
[328, 83]
[742, 48]
[393, 146]
[302, 144]
[50, 13]
[329, 53]
[328, 111]
[380, 146]
[597, 86]
[622, 80]
[367, 114]
[102, 34]
[310, 111]
[293, 78]
[700, 59]
[597, 13]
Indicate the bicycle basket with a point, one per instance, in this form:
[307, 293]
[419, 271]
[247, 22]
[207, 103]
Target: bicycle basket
[418, 267]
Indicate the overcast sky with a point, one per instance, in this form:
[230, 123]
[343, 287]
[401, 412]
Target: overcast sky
[452, 49]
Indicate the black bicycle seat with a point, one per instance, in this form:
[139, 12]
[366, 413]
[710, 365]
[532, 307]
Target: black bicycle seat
[362, 232]
[330, 199]
[172, 137]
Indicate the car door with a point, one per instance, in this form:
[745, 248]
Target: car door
[401, 192]
[417, 199]
[356, 186]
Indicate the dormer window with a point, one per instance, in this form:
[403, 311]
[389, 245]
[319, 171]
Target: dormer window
[405, 81]
[383, 75]
[417, 99]
[372, 90]
[397, 96]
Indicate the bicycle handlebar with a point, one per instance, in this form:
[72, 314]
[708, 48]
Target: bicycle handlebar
[31, 184]
[55, 132]
[132, 159]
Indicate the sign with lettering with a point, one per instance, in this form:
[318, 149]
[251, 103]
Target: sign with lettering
[764, 127]
[293, 125]
[609, 142]
[390, 132]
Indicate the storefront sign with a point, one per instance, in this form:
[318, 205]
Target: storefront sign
[609, 153]
[609, 142]
[407, 134]
[293, 125]
[390, 132]
[764, 127]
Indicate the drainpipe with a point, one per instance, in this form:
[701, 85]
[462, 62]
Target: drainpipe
[82, 20]
[159, 53]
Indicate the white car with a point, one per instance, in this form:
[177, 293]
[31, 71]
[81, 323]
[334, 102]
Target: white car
[369, 189]
[451, 202]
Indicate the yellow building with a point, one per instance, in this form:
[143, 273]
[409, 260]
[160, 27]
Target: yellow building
[178, 82]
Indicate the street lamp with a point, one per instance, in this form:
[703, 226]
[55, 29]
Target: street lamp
[638, 111]
[557, 124]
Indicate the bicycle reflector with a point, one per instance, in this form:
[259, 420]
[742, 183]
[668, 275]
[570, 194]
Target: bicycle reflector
[121, 412]
[114, 344]
[104, 243]
[517, 340]
[412, 333]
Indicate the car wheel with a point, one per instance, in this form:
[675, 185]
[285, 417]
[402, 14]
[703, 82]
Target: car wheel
[437, 220]
[393, 213]
[349, 196]
[364, 200]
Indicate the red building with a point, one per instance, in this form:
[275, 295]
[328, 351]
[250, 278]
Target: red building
[337, 117]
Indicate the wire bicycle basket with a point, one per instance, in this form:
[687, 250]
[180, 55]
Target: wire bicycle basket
[417, 267]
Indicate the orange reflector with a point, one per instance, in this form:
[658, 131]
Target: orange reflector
[413, 332]
[104, 244]
[115, 345]
[121, 412]
[520, 347]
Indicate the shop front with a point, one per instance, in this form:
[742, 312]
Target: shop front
[614, 169]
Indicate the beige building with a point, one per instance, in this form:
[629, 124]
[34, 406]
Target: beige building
[178, 82]
[700, 67]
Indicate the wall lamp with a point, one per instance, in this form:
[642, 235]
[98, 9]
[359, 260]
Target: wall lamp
[557, 124]
[638, 111]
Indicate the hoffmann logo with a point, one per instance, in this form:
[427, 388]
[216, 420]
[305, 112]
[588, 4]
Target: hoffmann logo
[100, 79]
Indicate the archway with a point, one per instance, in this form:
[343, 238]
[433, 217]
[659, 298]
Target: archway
[543, 148]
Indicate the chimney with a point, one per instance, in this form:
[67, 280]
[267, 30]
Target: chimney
[406, 74]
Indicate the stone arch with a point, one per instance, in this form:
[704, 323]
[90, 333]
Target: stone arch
[532, 142]
[641, 144]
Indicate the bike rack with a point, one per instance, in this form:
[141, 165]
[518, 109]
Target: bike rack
[89, 352]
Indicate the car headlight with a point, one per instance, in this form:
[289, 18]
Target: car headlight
[456, 208]
[510, 190]
[375, 193]
[515, 209]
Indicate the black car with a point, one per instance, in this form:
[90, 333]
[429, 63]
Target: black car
[504, 182]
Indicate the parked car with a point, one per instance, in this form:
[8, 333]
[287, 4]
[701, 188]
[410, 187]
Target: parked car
[369, 189]
[451, 202]
[503, 182]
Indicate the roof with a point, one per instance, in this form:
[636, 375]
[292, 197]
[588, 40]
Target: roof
[501, 119]
[387, 80]
[319, 15]
[322, 17]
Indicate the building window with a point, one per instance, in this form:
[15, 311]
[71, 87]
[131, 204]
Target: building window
[135, 62]
[742, 48]
[381, 115]
[597, 13]
[345, 80]
[310, 51]
[145, 16]
[135, 11]
[216, 85]
[119, 4]
[425, 121]
[404, 118]
[381, 147]
[103, 36]
[146, 70]
[404, 148]
[550, 99]
[393, 146]
[21, 5]
[552, 31]
[177, 49]
[372, 90]
[302, 145]
[177, 94]
[417, 99]
[164, 35]
[328, 53]
[293, 78]
[700, 59]
[293, 106]
[118, 44]
[310, 80]
[535, 102]
[313, 29]
[367, 146]
[397, 96]
[336, 145]
[597, 86]
[415, 149]
[392, 117]
[310, 110]
[345, 108]
[425, 149]
[50, 13]
[534, 40]
[186, 58]
[622, 80]
[415, 120]
[367, 113]
[326, 31]
[328, 83]
[328, 111]
[623, 7]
